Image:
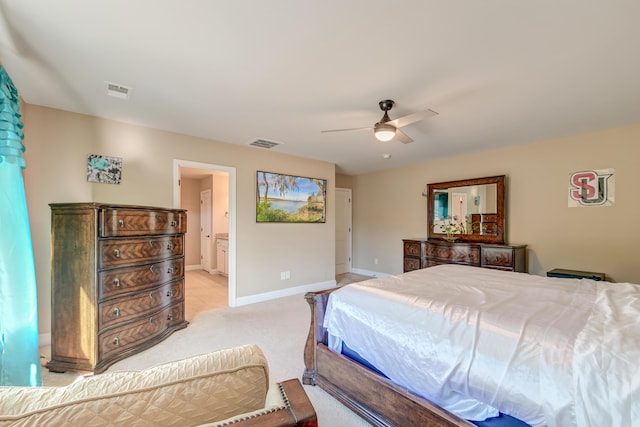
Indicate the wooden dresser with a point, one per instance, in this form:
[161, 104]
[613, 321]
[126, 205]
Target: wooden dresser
[117, 277]
[422, 253]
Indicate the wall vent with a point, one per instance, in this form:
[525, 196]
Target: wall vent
[264, 143]
[118, 91]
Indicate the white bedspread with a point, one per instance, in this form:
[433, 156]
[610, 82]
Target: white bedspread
[556, 352]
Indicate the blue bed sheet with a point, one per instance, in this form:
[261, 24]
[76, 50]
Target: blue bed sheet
[502, 420]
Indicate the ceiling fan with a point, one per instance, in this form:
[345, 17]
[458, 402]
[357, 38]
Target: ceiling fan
[386, 129]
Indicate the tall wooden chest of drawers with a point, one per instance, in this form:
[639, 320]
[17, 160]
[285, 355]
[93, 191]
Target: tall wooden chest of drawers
[422, 253]
[117, 282]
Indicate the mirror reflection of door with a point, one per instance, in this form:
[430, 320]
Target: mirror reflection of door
[205, 230]
[459, 207]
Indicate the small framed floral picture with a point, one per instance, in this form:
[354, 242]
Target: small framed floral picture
[104, 169]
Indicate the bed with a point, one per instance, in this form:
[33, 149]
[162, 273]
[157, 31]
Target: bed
[455, 345]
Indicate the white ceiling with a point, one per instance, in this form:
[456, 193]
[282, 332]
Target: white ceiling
[498, 72]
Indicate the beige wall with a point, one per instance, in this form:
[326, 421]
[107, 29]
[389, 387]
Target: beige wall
[57, 146]
[388, 205]
[344, 181]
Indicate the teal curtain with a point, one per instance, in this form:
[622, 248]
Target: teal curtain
[19, 353]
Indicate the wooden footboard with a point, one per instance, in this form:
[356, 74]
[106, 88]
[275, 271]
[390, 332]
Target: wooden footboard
[370, 395]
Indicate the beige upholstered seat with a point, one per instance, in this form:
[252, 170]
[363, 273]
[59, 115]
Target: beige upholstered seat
[221, 386]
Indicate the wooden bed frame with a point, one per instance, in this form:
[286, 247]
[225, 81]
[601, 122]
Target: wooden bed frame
[369, 394]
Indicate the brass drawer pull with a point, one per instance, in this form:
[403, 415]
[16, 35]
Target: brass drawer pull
[151, 294]
[152, 268]
[116, 341]
[116, 252]
[121, 222]
[116, 282]
[150, 242]
[174, 223]
[170, 293]
[170, 270]
[151, 320]
[170, 246]
[170, 317]
[116, 312]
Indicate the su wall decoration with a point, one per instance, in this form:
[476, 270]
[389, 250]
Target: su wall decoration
[591, 188]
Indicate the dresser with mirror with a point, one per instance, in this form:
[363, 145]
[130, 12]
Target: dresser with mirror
[466, 225]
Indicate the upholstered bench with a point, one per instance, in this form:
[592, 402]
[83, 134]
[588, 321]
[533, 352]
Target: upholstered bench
[224, 388]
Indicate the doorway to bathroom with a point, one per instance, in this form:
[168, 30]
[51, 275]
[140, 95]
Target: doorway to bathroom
[207, 192]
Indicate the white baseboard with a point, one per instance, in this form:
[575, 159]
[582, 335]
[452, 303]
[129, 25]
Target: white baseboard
[370, 273]
[314, 287]
[200, 267]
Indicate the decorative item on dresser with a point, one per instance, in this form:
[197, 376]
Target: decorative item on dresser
[117, 277]
[421, 253]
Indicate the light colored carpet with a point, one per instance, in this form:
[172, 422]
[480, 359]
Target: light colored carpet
[279, 327]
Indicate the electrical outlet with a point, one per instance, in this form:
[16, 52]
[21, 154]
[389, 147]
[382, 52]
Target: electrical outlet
[375, 261]
[285, 275]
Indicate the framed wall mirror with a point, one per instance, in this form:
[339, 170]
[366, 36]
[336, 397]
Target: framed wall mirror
[470, 210]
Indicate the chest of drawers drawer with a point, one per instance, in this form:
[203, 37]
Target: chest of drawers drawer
[131, 279]
[497, 257]
[413, 248]
[116, 252]
[503, 257]
[126, 308]
[454, 253]
[140, 333]
[124, 222]
[411, 264]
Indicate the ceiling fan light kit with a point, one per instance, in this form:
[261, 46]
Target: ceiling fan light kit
[387, 129]
[384, 132]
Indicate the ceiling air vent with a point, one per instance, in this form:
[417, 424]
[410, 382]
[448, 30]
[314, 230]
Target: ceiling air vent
[118, 91]
[263, 143]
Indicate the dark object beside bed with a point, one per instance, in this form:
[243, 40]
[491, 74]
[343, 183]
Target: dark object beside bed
[575, 274]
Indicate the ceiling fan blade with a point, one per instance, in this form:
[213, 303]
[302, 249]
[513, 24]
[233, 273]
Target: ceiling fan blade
[341, 130]
[403, 137]
[412, 118]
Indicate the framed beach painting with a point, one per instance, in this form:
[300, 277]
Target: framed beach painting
[289, 198]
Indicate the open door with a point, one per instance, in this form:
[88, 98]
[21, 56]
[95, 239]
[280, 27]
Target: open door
[343, 230]
[205, 231]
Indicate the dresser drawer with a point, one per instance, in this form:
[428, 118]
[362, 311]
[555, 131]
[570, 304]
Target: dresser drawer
[129, 307]
[454, 253]
[431, 262]
[131, 279]
[136, 222]
[412, 248]
[411, 264]
[497, 257]
[116, 252]
[133, 335]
